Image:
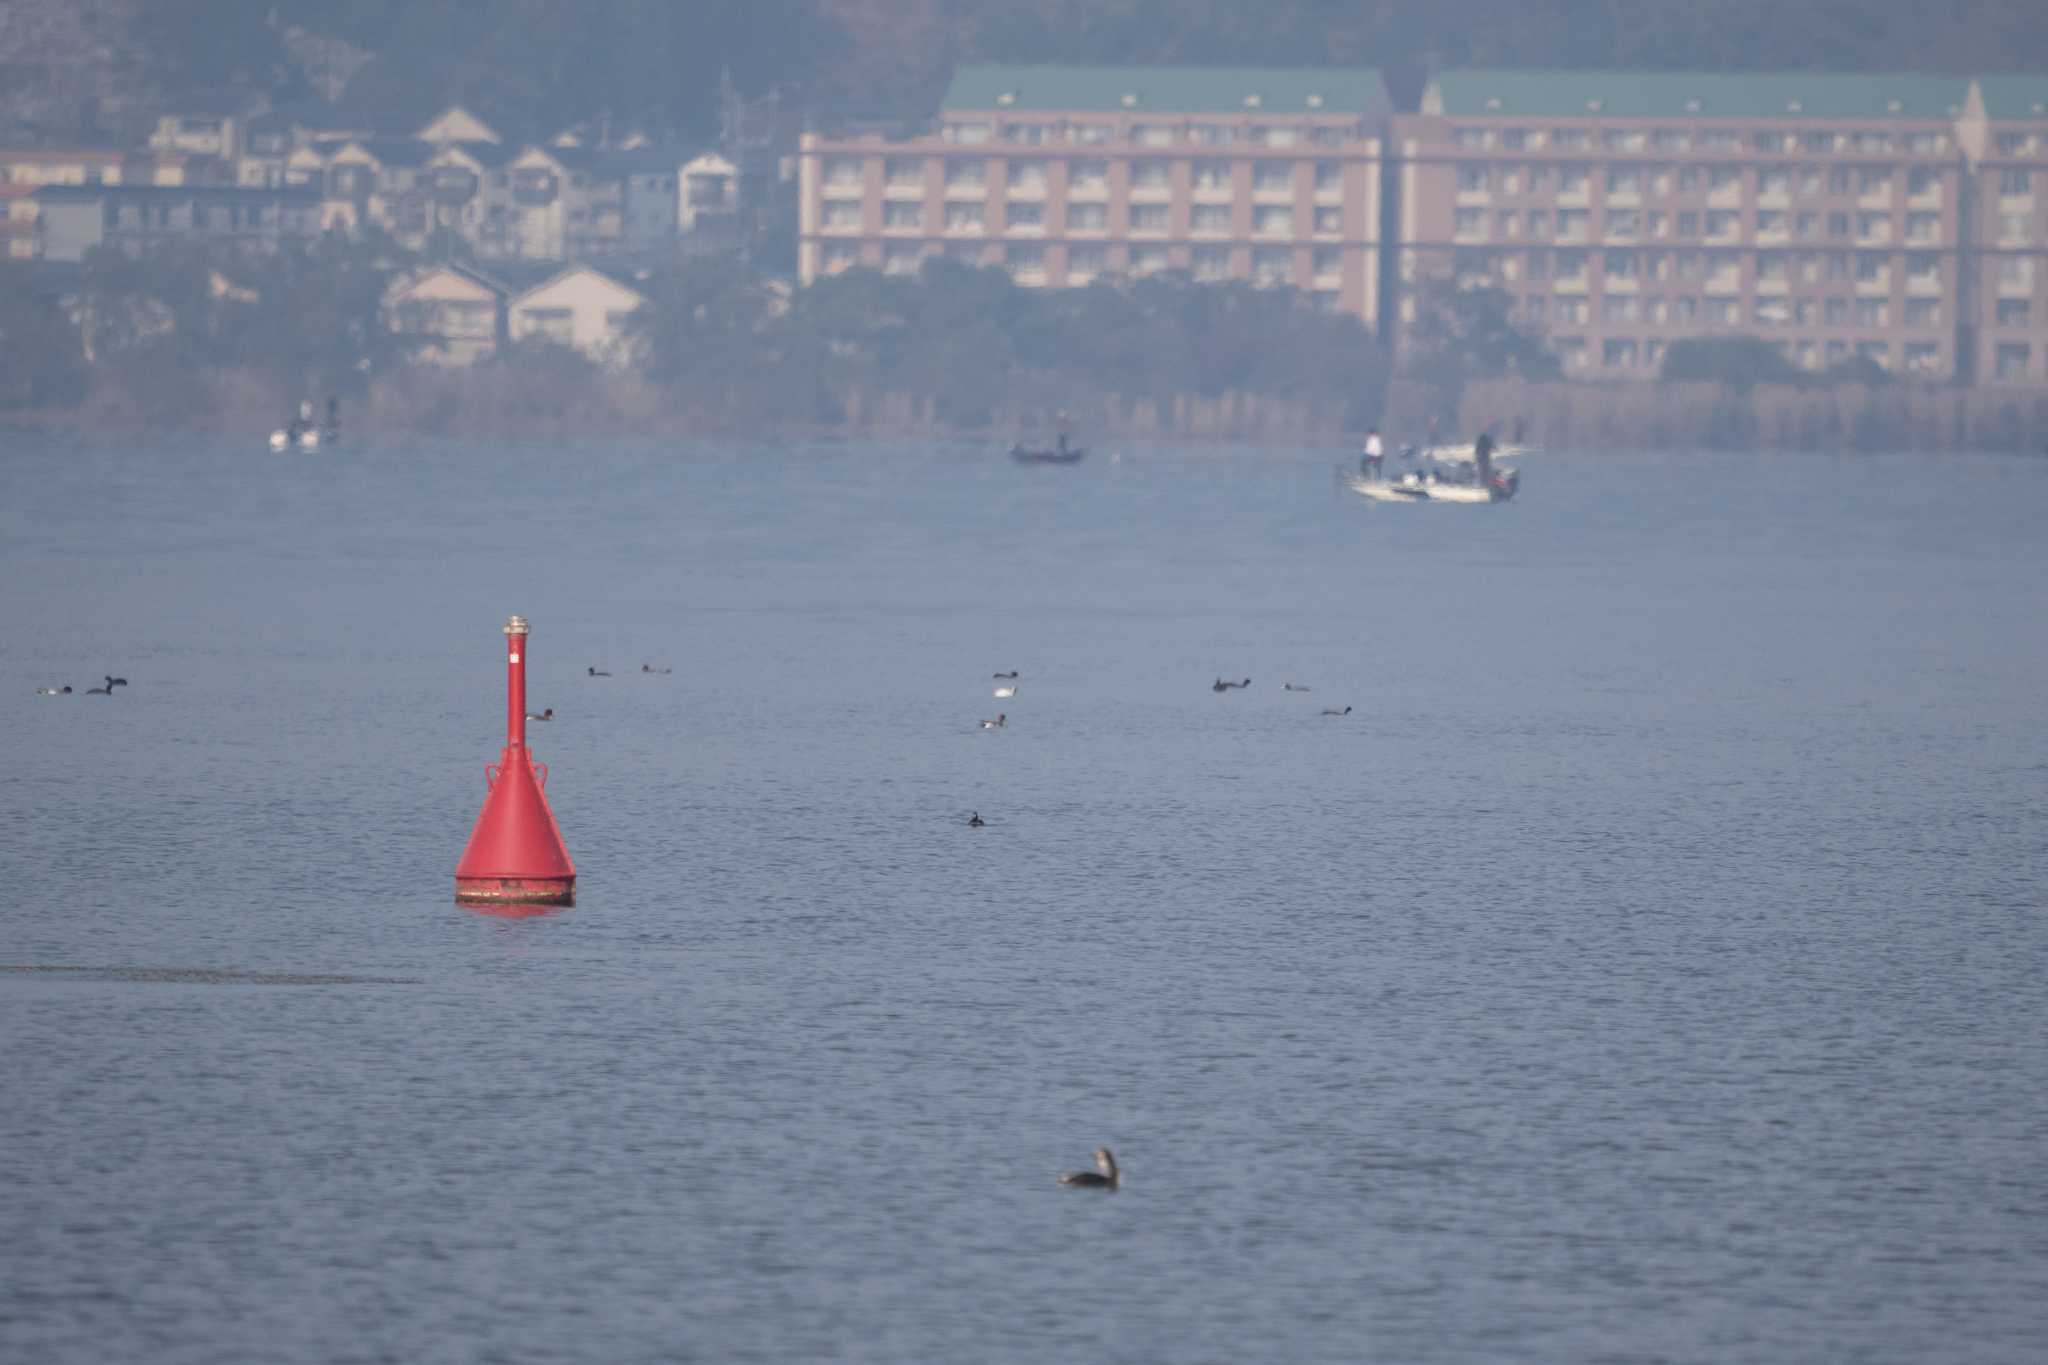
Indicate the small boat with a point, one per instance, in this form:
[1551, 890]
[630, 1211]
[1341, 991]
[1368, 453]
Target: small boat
[1443, 474]
[1060, 453]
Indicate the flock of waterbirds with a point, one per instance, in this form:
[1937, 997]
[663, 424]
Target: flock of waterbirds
[65, 691]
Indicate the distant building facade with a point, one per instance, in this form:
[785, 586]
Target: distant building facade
[2005, 134]
[71, 220]
[1062, 175]
[1626, 210]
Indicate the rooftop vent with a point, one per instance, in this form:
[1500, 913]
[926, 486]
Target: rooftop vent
[1493, 101]
[1252, 101]
[1130, 99]
[1692, 106]
[1893, 106]
[1794, 106]
[1007, 97]
[1315, 101]
[1593, 106]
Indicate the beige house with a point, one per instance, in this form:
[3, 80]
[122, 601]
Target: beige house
[580, 307]
[708, 187]
[454, 315]
[1626, 210]
[1065, 174]
[2005, 134]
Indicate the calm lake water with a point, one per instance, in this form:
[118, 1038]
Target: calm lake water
[1653, 966]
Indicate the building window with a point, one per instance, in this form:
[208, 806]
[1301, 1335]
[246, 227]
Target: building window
[1539, 223]
[1722, 222]
[1150, 174]
[903, 171]
[1085, 262]
[901, 259]
[1091, 217]
[964, 218]
[1210, 134]
[1923, 312]
[1026, 218]
[2014, 180]
[1027, 177]
[1770, 222]
[1873, 313]
[1209, 220]
[1719, 140]
[1571, 179]
[902, 217]
[1507, 223]
[1873, 227]
[1569, 139]
[1088, 174]
[2015, 313]
[1153, 135]
[1722, 178]
[1327, 265]
[2013, 359]
[1624, 139]
[1622, 265]
[1148, 260]
[967, 133]
[1688, 179]
[1923, 266]
[1806, 226]
[1273, 220]
[1150, 217]
[1469, 139]
[1210, 263]
[1873, 180]
[967, 175]
[1668, 140]
[1571, 308]
[1272, 177]
[1618, 353]
[1772, 267]
[1835, 312]
[1618, 308]
[1624, 180]
[1471, 178]
[1027, 262]
[842, 215]
[1923, 227]
[1879, 353]
[1272, 265]
[1024, 134]
[1922, 357]
[1329, 220]
[1469, 223]
[842, 171]
[2016, 270]
[2011, 144]
[1329, 177]
[1920, 180]
[1571, 225]
[1212, 175]
[1772, 312]
[1817, 142]
[1774, 180]
[1093, 134]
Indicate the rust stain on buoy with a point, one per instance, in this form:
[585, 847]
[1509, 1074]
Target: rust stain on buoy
[515, 854]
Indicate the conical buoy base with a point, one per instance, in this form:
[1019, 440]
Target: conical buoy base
[516, 855]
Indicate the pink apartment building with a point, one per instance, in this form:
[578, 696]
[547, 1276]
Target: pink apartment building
[1624, 210]
[1062, 175]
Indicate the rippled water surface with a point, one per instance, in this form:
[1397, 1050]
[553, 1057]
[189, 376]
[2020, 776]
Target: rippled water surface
[1650, 967]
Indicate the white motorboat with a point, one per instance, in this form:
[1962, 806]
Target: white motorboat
[1442, 480]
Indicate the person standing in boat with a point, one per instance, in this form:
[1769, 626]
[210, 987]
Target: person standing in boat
[1375, 455]
[1482, 458]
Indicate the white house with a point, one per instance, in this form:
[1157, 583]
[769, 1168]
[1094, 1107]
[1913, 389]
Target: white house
[452, 313]
[580, 307]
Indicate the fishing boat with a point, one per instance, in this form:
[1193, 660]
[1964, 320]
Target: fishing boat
[1059, 454]
[1443, 474]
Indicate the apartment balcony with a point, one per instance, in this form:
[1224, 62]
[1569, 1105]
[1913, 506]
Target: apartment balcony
[1026, 189]
[1088, 191]
[1329, 194]
[2015, 289]
[903, 189]
[967, 189]
[1881, 235]
[1925, 286]
[1875, 199]
[1726, 197]
[1624, 199]
[1212, 194]
[1573, 199]
[1774, 199]
[1878, 288]
[1473, 198]
[1621, 284]
[1151, 193]
[842, 189]
[1722, 282]
[1570, 284]
[1773, 288]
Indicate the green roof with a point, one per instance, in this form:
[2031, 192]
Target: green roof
[1695, 94]
[2014, 96]
[1170, 89]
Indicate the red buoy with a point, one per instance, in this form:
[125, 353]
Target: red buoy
[515, 855]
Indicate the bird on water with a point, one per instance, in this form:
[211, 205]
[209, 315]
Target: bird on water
[650, 668]
[53, 691]
[1291, 687]
[1333, 711]
[114, 682]
[597, 672]
[1221, 686]
[1011, 675]
[998, 723]
[548, 714]
[975, 821]
[1103, 1177]
[1007, 691]
[106, 691]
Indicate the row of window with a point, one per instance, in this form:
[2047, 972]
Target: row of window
[1806, 267]
[1818, 141]
[1627, 224]
[1578, 177]
[1204, 220]
[1153, 134]
[1265, 265]
[1685, 309]
[1091, 174]
[1629, 353]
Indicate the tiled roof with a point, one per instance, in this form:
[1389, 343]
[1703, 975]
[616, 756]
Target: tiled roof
[1694, 94]
[2015, 97]
[1170, 89]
